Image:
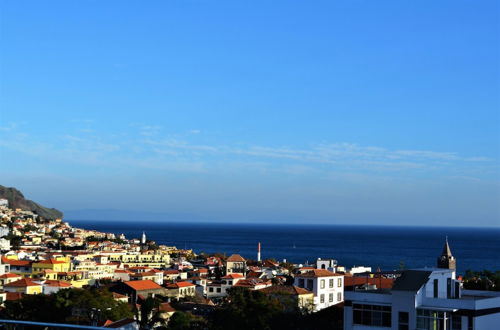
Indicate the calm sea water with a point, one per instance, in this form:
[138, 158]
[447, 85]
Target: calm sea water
[474, 248]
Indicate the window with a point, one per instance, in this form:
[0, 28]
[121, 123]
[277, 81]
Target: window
[330, 297]
[456, 322]
[339, 282]
[339, 296]
[322, 298]
[448, 288]
[218, 290]
[331, 283]
[374, 315]
[436, 288]
[301, 282]
[310, 285]
[432, 320]
[322, 284]
[403, 320]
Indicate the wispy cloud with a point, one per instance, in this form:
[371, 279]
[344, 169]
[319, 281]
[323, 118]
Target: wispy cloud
[151, 148]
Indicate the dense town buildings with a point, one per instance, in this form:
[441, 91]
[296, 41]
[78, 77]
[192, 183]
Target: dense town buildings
[47, 256]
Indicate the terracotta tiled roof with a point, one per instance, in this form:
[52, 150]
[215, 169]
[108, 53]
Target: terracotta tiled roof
[118, 296]
[123, 271]
[165, 307]
[381, 283]
[25, 282]
[251, 283]
[120, 323]
[254, 274]
[171, 272]
[14, 295]
[143, 285]
[318, 273]
[13, 262]
[143, 274]
[286, 289]
[56, 283]
[179, 285]
[9, 275]
[233, 276]
[236, 258]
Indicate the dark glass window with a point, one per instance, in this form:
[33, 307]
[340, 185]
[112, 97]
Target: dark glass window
[403, 320]
[373, 315]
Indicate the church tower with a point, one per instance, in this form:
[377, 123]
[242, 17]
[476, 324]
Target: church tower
[446, 259]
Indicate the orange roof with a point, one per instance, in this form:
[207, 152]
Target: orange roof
[25, 282]
[118, 296]
[236, 258]
[287, 289]
[318, 273]
[179, 285]
[228, 276]
[123, 271]
[120, 323]
[13, 262]
[9, 275]
[57, 283]
[381, 283]
[250, 283]
[14, 295]
[143, 274]
[171, 272]
[254, 274]
[143, 285]
[165, 307]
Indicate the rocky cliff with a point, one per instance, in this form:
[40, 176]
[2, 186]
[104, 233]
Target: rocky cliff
[17, 201]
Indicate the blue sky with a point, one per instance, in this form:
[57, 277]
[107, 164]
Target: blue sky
[376, 112]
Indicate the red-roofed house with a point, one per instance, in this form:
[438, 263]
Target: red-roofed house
[125, 324]
[304, 299]
[166, 311]
[181, 289]
[9, 277]
[52, 286]
[236, 264]
[253, 284]
[21, 267]
[25, 285]
[133, 289]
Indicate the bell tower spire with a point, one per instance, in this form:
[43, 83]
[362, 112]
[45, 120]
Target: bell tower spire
[446, 259]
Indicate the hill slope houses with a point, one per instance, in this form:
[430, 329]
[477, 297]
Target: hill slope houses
[17, 201]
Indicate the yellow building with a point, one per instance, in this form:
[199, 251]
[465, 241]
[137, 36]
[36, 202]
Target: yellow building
[50, 264]
[25, 285]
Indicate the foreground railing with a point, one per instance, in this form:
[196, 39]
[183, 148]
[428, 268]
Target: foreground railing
[28, 325]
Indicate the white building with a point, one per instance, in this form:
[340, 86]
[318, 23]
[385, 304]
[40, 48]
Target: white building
[327, 287]
[4, 244]
[4, 231]
[328, 264]
[4, 202]
[422, 299]
[359, 270]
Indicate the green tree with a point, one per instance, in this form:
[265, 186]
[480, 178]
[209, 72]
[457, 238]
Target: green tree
[184, 321]
[246, 309]
[149, 315]
[81, 306]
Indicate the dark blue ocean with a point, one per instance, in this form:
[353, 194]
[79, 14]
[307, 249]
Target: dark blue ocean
[384, 246]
